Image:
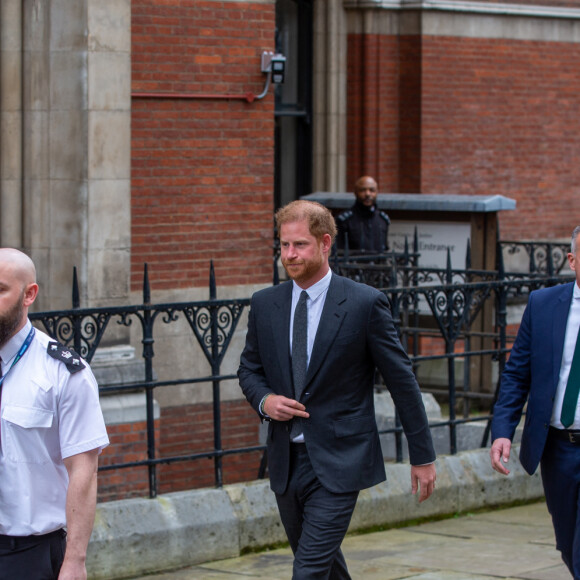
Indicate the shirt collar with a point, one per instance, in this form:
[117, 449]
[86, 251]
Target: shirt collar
[576, 294]
[316, 289]
[11, 348]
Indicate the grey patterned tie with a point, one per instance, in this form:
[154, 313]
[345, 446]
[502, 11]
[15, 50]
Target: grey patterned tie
[299, 352]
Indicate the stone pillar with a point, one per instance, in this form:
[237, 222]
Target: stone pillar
[109, 154]
[329, 140]
[11, 123]
[66, 110]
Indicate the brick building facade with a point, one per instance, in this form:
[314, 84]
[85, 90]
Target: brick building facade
[472, 103]
[202, 163]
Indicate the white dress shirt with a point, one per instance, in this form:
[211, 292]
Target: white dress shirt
[314, 304]
[572, 327]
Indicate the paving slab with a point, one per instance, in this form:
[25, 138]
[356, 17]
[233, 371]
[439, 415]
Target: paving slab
[512, 544]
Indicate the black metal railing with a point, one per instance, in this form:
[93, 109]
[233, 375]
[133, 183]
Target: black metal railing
[548, 258]
[443, 303]
[212, 322]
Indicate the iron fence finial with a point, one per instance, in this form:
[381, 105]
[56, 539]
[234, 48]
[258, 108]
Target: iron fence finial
[146, 286]
[449, 274]
[212, 283]
[76, 301]
[468, 255]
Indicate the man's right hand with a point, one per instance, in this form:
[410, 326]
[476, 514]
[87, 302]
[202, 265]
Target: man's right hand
[281, 408]
[500, 451]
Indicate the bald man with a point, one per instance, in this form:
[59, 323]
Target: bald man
[51, 433]
[363, 228]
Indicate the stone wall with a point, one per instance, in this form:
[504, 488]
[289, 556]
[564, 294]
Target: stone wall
[135, 537]
[65, 189]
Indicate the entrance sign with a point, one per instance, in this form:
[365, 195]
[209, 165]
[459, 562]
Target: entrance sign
[434, 238]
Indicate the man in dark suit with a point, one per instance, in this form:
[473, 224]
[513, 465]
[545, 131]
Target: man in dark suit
[540, 370]
[323, 441]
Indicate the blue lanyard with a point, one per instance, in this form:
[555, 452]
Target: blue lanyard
[20, 354]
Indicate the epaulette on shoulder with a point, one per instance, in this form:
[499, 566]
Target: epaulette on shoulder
[345, 215]
[66, 355]
[385, 217]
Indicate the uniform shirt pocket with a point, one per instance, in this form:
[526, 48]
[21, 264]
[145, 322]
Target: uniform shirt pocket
[26, 432]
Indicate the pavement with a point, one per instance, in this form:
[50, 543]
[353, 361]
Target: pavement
[513, 543]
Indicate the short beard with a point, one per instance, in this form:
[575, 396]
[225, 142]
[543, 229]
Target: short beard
[9, 322]
[310, 269]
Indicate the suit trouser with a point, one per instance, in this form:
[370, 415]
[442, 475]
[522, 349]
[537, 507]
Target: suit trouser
[560, 467]
[32, 557]
[316, 521]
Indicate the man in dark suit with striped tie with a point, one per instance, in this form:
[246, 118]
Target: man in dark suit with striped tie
[544, 370]
[308, 366]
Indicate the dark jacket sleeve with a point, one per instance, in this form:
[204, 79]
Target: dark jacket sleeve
[397, 371]
[251, 372]
[515, 382]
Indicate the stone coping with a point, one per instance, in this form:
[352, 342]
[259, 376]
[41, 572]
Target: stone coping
[420, 202]
[140, 536]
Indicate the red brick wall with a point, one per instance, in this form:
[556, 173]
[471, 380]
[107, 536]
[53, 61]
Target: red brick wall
[128, 443]
[202, 169]
[188, 429]
[410, 90]
[180, 431]
[373, 110]
[476, 116]
[501, 117]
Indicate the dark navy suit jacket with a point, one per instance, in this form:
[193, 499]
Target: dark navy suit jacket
[532, 372]
[355, 334]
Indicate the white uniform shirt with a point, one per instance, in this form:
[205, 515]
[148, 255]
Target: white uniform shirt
[47, 414]
[572, 326]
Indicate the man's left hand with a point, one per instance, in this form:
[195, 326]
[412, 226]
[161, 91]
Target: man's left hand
[423, 480]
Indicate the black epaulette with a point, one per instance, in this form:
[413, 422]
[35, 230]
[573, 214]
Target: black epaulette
[385, 217]
[66, 355]
[345, 215]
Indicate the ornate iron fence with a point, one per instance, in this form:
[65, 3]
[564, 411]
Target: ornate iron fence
[547, 258]
[212, 322]
[442, 303]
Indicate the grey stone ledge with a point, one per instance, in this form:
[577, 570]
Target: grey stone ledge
[420, 201]
[127, 408]
[140, 536]
[499, 8]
